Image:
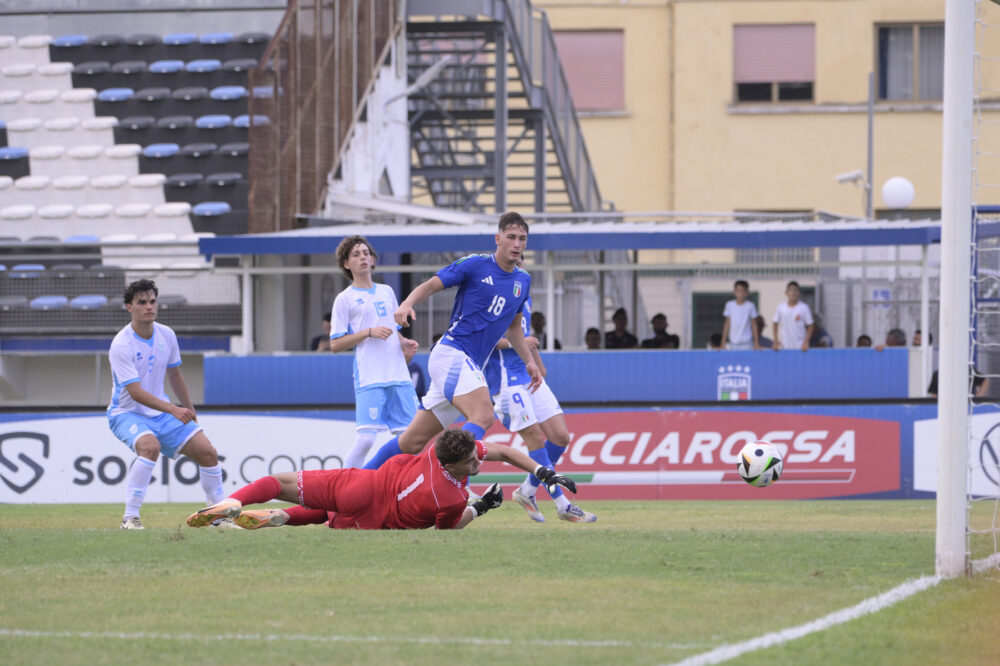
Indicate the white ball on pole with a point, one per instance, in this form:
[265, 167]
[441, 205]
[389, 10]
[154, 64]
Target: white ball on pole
[897, 192]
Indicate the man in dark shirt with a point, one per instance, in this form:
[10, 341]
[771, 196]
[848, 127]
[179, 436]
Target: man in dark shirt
[661, 339]
[619, 338]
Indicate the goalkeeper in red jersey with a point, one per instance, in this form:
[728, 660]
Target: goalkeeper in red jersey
[407, 492]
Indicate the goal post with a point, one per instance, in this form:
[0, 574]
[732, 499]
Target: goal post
[951, 555]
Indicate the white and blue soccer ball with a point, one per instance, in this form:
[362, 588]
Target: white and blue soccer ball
[760, 464]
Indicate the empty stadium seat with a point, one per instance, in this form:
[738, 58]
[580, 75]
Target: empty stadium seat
[92, 74]
[49, 161]
[14, 161]
[247, 120]
[144, 46]
[34, 49]
[17, 213]
[115, 94]
[67, 48]
[211, 209]
[123, 158]
[146, 188]
[58, 75]
[85, 158]
[79, 102]
[228, 186]
[239, 64]
[26, 271]
[153, 94]
[99, 130]
[30, 189]
[48, 302]
[160, 150]
[89, 302]
[8, 303]
[72, 189]
[135, 129]
[185, 187]
[171, 300]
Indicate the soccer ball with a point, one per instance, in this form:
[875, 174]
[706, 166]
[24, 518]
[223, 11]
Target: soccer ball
[760, 464]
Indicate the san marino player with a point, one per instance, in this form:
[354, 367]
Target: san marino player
[407, 492]
[142, 355]
[491, 295]
[536, 416]
[363, 317]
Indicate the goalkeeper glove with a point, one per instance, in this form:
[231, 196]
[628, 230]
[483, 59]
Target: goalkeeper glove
[551, 479]
[491, 499]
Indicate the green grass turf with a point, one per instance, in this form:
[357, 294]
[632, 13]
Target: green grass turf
[649, 583]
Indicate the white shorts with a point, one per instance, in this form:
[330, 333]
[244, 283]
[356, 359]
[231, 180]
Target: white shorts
[517, 408]
[452, 373]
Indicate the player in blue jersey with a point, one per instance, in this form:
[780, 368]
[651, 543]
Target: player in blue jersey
[363, 317]
[491, 295]
[534, 415]
[142, 355]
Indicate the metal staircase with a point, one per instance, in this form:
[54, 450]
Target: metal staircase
[492, 123]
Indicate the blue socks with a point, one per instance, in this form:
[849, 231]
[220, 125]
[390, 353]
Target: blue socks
[476, 431]
[541, 456]
[388, 450]
[555, 452]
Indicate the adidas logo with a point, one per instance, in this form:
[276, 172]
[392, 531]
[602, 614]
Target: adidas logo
[488, 280]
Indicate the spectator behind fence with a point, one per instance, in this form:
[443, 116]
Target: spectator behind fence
[820, 336]
[894, 338]
[715, 342]
[863, 341]
[619, 338]
[764, 343]
[793, 321]
[661, 339]
[593, 338]
[538, 330]
[740, 331]
[918, 339]
[322, 341]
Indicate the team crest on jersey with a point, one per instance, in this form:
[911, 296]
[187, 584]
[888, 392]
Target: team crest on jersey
[517, 289]
[373, 413]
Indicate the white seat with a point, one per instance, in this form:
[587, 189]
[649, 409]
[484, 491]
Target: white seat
[86, 158]
[56, 75]
[162, 237]
[31, 189]
[172, 209]
[56, 220]
[17, 212]
[11, 107]
[146, 188]
[109, 181]
[64, 129]
[100, 130]
[123, 158]
[22, 76]
[94, 211]
[10, 96]
[6, 183]
[72, 189]
[7, 42]
[24, 132]
[133, 210]
[33, 49]
[48, 160]
[59, 211]
[172, 217]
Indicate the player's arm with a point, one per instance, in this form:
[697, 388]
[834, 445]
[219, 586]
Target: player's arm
[810, 329]
[405, 312]
[408, 346]
[515, 336]
[512, 456]
[776, 341]
[491, 499]
[351, 340]
[144, 397]
[725, 334]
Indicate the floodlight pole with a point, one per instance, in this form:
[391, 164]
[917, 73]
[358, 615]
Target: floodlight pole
[955, 303]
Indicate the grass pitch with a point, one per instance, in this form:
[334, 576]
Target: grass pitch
[649, 583]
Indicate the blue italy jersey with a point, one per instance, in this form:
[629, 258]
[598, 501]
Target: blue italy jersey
[505, 367]
[487, 301]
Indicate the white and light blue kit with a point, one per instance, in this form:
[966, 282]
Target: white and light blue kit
[508, 380]
[136, 359]
[487, 301]
[384, 394]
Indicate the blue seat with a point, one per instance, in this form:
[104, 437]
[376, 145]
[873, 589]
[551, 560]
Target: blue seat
[26, 271]
[115, 94]
[82, 238]
[52, 302]
[69, 41]
[89, 302]
[160, 150]
[246, 120]
[228, 93]
[13, 153]
[180, 38]
[216, 38]
[204, 65]
[213, 121]
[211, 208]
[263, 92]
[166, 66]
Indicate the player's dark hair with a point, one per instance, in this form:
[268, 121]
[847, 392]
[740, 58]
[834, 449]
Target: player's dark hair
[511, 219]
[344, 253]
[139, 287]
[454, 446]
[744, 284]
[792, 283]
[895, 338]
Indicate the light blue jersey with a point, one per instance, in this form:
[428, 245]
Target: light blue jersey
[487, 301]
[505, 367]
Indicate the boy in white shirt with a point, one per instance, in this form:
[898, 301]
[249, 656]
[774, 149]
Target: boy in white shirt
[740, 330]
[362, 317]
[793, 321]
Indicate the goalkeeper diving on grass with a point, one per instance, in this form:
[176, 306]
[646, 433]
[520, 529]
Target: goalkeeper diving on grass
[407, 492]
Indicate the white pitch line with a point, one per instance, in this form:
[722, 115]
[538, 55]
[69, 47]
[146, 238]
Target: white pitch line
[872, 605]
[979, 566]
[461, 640]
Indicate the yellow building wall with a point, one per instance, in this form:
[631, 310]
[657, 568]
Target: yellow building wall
[682, 143]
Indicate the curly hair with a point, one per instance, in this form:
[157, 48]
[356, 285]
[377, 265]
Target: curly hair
[139, 287]
[454, 446]
[344, 253]
[511, 219]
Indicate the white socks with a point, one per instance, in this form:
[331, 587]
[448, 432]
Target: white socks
[211, 483]
[359, 451]
[138, 481]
